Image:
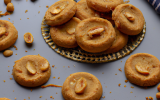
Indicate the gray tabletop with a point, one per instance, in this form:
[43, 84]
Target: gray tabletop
[105, 72]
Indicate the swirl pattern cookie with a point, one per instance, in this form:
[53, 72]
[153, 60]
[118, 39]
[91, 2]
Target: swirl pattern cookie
[95, 34]
[142, 69]
[31, 71]
[8, 34]
[128, 19]
[84, 12]
[64, 35]
[82, 86]
[60, 12]
[104, 5]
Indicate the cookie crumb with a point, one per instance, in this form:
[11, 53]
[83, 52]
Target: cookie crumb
[26, 51]
[102, 72]
[15, 98]
[121, 61]
[8, 70]
[124, 85]
[131, 92]
[15, 47]
[68, 67]
[106, 86]
[27, 18]
[58, 77]
[56, 93]
[15, 54]
[28, 97]
[74, 65]
[120, 69]
[26, 0]
[119, 84]
[20, 18]
[40, 96]
[116, 74]
[13, 90]
[151, 98]
[47, 6]
[53, 65]
[26, 11]
[4, 80]
[9, 18]
[54, 77]
[8, 66]
[10, 78]
[50, 96]
[110, 92]
[132, 87]
[63, 66]
[38, 12]
[126, 81]
[103, 97]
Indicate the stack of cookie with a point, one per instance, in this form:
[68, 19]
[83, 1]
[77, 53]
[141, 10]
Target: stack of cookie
[94, 25]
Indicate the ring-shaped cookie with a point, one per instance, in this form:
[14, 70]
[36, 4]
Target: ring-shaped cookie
[60, 12]
[31, 71]
[120, 41]
[128, 19]
[8, 34]
[104, 5]
[95, 34]
[142, 69]
[92, 91]
[64, 35]
[84, 12]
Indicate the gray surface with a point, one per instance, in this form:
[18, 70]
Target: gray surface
[150, 44]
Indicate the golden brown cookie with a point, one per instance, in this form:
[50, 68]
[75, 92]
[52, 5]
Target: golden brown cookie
[95, 34]
[82, 86]
[84, 12]
[8, 34]
[60, 12]
[142, 69]
[31, 71]
[104, 5]
[128, 19]
[4, 98]
[120, 41]
[64, 35]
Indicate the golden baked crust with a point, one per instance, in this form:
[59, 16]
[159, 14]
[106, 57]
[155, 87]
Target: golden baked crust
[104, 5]
[24, 77]
[64, 35]
[68, 11]
[4, 98]
[149, 63]
[93, 90]
[128, 26]
[120, 41]
[97, 43]
[10, 37]
[84, 12]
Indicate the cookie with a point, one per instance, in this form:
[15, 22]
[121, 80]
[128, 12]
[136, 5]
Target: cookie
[104, 5]
[31, 71]
[8, 34]
[128, 19]
[60, 12]
[64, 35]
[95, 34]
[4, 98]
[120, 41]
[84, 12]
[142, 69]
[82, 86]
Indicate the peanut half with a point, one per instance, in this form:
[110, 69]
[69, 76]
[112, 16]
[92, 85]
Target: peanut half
[158, 87]
[158, 95]
[129, 16]
[141, 69]
[45, 66]
[70, 31]
[8, 53]
[58, 9]
[80, 85]
[95, 31]
[3, 30]
[31, 68]
[28, 37]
